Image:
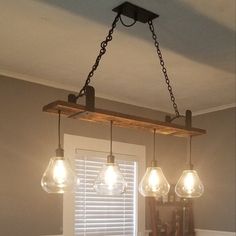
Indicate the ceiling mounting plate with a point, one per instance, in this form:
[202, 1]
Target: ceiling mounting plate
[135, 12]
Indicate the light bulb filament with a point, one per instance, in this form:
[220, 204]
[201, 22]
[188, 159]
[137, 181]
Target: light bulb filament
[189, 183]
[110, 177]
[153, 180]
[59, 172]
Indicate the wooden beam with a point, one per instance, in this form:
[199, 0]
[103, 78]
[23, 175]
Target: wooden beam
[77, 111]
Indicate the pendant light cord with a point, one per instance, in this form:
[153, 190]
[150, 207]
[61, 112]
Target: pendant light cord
[111, 124]
[154, 145]
[59, 150]
[59, 129]
[190, 152]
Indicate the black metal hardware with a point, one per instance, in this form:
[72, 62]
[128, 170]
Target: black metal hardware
[125, 24]
[164, 70]
[101, 53]
[90, 98]
[168, 119]
[138, 14]
[72, 98]
[188, 119]
[135, 12]
[89, 93]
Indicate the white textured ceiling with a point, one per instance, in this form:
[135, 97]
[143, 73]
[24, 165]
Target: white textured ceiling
[55, 42]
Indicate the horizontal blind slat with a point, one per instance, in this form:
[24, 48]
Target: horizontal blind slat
[103, 215]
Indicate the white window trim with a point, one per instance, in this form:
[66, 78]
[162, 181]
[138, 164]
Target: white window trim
[71, 143]
[199, 232]
[205, 232]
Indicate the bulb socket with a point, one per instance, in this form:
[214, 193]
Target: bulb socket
[59, 152]
[110, 159]
[154, 163]
[191, 166]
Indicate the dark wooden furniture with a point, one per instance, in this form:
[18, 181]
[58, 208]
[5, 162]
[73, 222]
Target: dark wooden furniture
[171, 216]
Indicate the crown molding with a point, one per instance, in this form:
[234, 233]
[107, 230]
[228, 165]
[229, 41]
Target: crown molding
[37, 80]
[214, 109]
[62, 86]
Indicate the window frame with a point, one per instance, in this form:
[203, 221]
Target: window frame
[135, 152]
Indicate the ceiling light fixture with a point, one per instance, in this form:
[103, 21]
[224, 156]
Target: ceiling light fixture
[154, 183]
[88, 111]
[58, 176]
[189, 184]
[110, 181]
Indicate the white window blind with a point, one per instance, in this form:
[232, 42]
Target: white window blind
[97, 215]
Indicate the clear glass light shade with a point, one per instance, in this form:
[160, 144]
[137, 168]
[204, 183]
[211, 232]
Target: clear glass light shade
[59, 176]
[189, 185]
[154, 183]
[110, 181]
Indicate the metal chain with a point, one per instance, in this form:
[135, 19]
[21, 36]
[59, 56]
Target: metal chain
[164, 70]
[101, 53]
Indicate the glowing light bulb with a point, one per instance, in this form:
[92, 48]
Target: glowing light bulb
[60, 172]
[110, 181]
[189, 185]
[153, 180]
[110, 176]
[154, 183]
[59, 176]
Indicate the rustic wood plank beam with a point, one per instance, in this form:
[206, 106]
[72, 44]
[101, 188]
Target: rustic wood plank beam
[77, 111]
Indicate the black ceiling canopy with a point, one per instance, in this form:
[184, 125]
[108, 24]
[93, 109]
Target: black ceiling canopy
[135, 12]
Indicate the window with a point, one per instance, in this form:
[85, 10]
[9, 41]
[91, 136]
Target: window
[85, 212]
[104, 215]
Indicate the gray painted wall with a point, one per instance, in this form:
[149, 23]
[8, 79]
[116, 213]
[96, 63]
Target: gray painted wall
[28, 138]
[214, 155]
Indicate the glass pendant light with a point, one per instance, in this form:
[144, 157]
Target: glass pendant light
[110, 181]
[189, 184]
[58, 176]
[154, 183]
